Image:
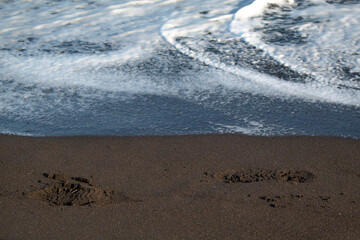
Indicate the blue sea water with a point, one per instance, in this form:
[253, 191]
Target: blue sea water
[169, 67]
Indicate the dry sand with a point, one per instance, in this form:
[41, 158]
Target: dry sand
[179, 187]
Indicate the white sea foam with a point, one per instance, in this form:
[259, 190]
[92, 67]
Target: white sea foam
[189, 28]
[36, 35]
[257, 8]
[131, 28]
[248, 127]
[330, 31]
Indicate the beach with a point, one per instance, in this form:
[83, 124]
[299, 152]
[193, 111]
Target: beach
[179, 119]
[179, 187]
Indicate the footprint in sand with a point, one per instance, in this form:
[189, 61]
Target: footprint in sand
[249, 175]
[75, 191]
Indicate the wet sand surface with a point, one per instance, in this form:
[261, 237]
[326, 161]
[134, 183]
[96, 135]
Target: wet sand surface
[179, 187]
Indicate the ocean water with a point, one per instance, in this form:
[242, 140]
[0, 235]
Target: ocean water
[169, 67]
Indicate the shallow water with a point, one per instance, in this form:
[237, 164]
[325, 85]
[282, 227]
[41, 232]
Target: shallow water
[263, 67]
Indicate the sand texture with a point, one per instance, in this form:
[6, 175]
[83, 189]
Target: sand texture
[179, 187]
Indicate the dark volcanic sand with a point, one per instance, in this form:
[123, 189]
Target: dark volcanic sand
[179, 187]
